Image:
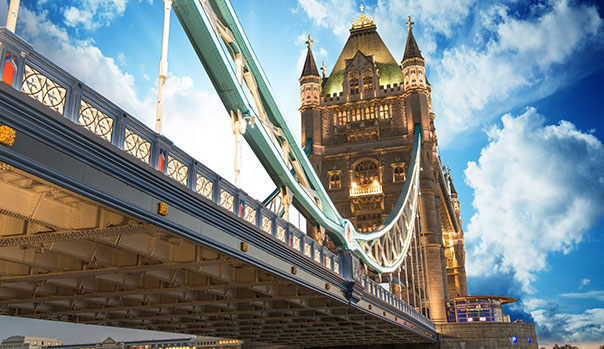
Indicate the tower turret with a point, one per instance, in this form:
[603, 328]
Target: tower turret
[413, 63]
[310, 99]
[310, 80]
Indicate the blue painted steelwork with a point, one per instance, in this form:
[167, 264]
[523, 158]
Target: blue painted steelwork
[224, 51]
[50, 129]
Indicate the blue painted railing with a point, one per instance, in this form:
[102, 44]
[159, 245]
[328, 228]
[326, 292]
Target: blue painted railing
[30, 73]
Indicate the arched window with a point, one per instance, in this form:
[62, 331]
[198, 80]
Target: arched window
[384, 111]
[335, 179]
[354, 86]
[342, 117]
[398, 172]
[367, 84]
[366, 171]
[369, 112]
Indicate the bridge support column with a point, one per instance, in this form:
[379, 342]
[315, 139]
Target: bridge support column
[433, 241]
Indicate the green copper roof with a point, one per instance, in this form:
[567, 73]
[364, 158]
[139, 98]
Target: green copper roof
[369, 42]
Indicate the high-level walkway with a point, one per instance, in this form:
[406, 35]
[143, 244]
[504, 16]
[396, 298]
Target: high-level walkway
[103, 221]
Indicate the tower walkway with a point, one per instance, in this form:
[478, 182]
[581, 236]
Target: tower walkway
[105, 222]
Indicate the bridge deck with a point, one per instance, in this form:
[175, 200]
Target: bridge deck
[82, 240]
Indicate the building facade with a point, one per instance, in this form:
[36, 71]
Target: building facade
[173, 343]
[28, 342]
[360, 121]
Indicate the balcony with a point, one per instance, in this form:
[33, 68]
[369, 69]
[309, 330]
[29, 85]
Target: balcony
[372, 189]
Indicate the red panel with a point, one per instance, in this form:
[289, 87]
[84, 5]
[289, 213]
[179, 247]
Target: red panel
[160, 164]
[9, 71]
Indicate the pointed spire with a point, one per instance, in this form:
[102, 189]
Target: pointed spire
[411, 48]
[310, 67]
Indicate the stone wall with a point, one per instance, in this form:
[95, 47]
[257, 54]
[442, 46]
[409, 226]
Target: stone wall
[484, 335]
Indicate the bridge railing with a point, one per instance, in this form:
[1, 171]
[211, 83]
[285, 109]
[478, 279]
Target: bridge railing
[32, 74]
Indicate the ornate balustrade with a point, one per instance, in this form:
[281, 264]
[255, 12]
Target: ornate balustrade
[32, 74]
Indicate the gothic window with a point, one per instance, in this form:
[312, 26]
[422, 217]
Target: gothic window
[335, 179]
[398, 172]
[367, 84]
[366, 171]
[354, 86]
[316, 94]
[355, 114]
[369, 113]
[342, 117]
[384, 111]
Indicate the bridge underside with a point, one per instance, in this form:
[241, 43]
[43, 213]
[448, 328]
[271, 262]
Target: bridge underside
[68, 258]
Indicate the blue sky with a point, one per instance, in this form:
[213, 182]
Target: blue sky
[518, 92]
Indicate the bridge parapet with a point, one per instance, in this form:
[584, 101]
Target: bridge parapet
[32, 74]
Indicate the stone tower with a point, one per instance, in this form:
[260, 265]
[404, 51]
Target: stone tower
[361, 130]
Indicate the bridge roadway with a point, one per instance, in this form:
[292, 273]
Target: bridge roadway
[104, 222]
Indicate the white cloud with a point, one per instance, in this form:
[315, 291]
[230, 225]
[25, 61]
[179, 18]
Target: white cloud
[91, 14]
[573, 328]
[584, 282]
[335, 15]
[518, 64]
[537, 189]
[599, 295]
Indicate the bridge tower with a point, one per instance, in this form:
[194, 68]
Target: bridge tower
[361, 131]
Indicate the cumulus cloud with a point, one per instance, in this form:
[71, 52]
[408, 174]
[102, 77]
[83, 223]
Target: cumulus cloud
[569, 328]
[519, 63]
[537, 189]
[92, 14]
[335, 15]
[81, 58]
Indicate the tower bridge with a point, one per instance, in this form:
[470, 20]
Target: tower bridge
[94, 233]
[104, 221]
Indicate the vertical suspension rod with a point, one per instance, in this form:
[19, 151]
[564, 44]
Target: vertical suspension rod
[13, 11]
[163, 65]
[427, 281]
[407, 278]
[421, 263]
[415, 253]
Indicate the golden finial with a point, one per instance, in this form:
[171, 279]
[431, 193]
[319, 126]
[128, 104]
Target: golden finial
[309, 42]
[363, 20]
[324, 69]
[409, 23]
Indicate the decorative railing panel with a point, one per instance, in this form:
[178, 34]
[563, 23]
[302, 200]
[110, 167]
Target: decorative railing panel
[226, 200]
[250, 214]
[204, 186]
[267, 224]
[296, 243]
[177, 170]
[137, 146]
[41, 88]
[280, 233]
[95, 121]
